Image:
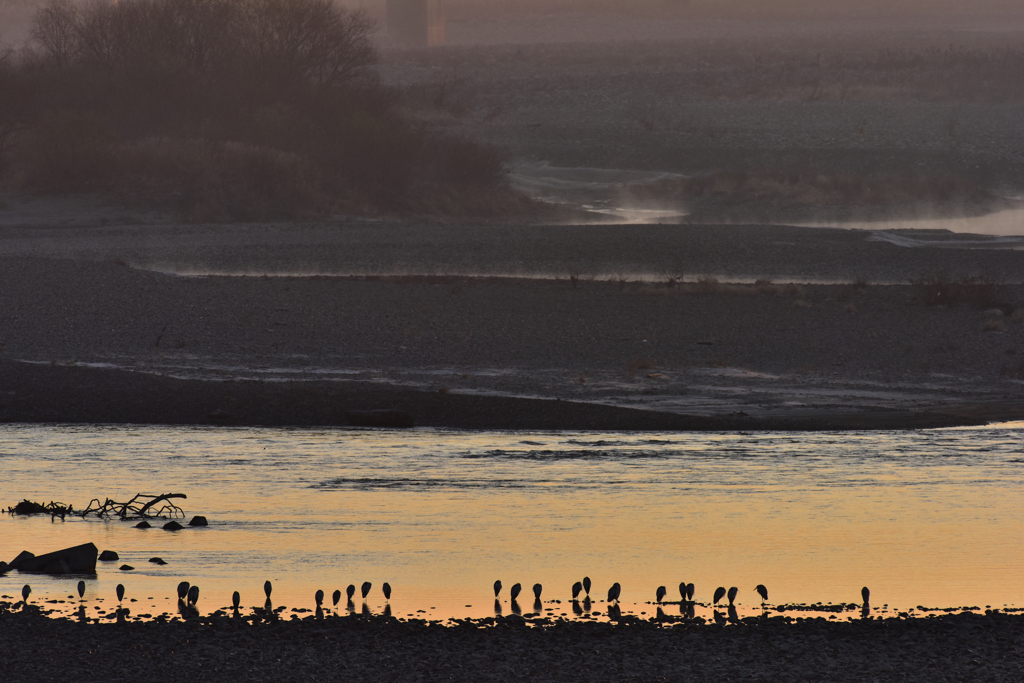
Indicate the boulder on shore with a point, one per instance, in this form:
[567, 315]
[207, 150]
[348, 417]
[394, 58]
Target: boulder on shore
[23, 557]
[108, 556]
[380, 418]
[80, 559]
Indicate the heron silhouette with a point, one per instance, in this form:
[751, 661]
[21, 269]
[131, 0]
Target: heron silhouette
[659, 594]
[537, 588]
[763, 592]
[268, 588]
[732, 594]
[614, 592]
[26, 591]
[193, 596]
[120, 592]
[183, 591]
[350, 591]
[866, 594]
[515, 590]
[719, 594]
[577, 588]
[387, 590]
[586, 585]
[81, 589]
[689, 592]
[497, 587]
[319, 597]
[336, 597]
[236, 600]
[365, 590]
[682, 591]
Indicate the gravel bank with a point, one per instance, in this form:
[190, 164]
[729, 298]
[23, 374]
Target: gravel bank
[988, 648]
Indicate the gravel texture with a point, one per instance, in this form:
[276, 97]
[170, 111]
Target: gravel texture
[965, 647]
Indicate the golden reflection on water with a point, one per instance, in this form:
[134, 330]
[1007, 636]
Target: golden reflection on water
[928, 518]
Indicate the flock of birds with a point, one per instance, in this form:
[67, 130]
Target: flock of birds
[686, 591]
[188, 595]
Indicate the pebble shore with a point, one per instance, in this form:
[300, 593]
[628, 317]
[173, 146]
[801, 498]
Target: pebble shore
[955, 647]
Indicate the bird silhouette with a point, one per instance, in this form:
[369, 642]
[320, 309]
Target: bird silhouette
[350, 591]
[267, 588]
[682, 590]
[537, 588]
[719, 594]
[366, 588]
[81, 589]
[25, 592]
[236, 599]
[689, 592]
[318, 597]
[336, 597]
[120, 592]
[497, 587]
[515, 590]
[193, 596]
[614, 592]
[866, 594]
[586, 584]
[387, 590]
[183, 590]
[762, 591]
[732, 594]
[577, 588]
[659, 594]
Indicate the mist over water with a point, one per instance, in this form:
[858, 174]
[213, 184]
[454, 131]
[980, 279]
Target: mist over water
[928, 518]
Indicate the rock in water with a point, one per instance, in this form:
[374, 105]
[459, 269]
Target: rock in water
[143, 525]
[173, 526]
[109, 556]
[80, 559]
[380, 418]
[199, 520]
[126, 568]
[157, 560]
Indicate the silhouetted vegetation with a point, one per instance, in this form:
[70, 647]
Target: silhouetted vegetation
[225, 109]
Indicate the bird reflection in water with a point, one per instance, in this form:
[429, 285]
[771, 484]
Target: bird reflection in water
[515, 607]
[719, 619]
[687, 609]
[576, 608]
[497, 607]
[387, 610]
[82, 617]
[366, 610]
[660, 616]
[587, 604]
[614, 612]
[733, 617]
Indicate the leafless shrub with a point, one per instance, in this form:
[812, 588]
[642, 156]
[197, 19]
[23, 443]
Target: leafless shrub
[249, 108]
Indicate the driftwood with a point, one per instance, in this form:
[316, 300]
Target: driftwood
[141, 505]
[27, 507]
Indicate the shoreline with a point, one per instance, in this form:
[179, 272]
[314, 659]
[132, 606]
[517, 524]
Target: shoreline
[74, 394]
[383, 649]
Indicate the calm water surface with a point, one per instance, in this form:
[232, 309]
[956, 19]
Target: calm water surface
[930, 518]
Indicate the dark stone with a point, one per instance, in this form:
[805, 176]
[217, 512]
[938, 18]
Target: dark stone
[4, 567]
[126, 568]
[380, 418]
[23, 557]
[157, 560]
[108, 556]
[80, 559]
[173, 526]
[198, 520]
[143, 525]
